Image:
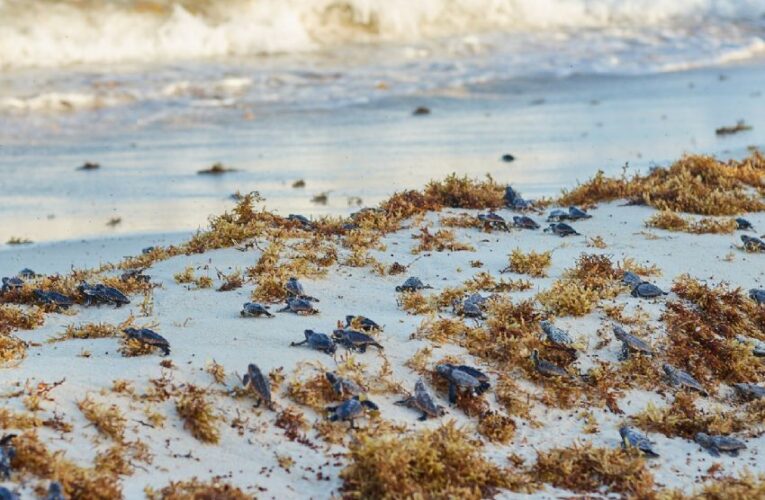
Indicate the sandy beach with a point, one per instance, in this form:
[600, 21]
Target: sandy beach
[271, 453]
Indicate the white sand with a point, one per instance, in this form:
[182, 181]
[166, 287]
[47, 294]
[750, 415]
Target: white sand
[202, 325]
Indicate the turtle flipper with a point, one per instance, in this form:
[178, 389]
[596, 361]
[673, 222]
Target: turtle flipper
[713, 451]
[624, 354]
[452, 393]
[283, 309]
[295, 344]
[423, 417]
[363, 348]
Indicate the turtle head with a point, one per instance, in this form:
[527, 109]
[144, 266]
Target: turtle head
[535, 356]
[444, 370]
[331, 377]
[701, 437]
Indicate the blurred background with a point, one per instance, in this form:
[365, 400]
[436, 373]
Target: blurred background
[323, 92]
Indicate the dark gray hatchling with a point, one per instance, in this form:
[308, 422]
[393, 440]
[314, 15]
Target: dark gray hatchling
[459, 380]
[135, 274]
[423, 401]
[254, 310]
[258, 383]
[412, 284]
[576, 213]
[295, 289]
[27, 274]
[545, 367]
[524, 222]
[353, 339]
[300, 219]
[482, 378]
[758, 346]
[646, 290]
[749, 391]
[757, 295]
[468, 309]
[631, 344]
[561, 229]
[558, 215]
[7, 452]
[632, 438]
[350, 409]
[557, 336]
[719, 444]
[514, 200]
[55, 299]
[12, 283]
[631, 279]
[299, 306]
[682, 379]
[6, 494]
[743, 224]
[149, 337]
[317, 341]
[344, 387]
[362, 322]
[112, 295]
[494, 221]
[752, 244]
[55, 492]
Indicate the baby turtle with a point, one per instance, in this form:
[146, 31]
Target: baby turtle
[254, 310]
[318, 341]
[55, 492]
[27, 274]
[630, 344]
[412, 284]
[477, 374]
[719, 444]
[575, 213]
[494, 221]
[646, 290]
[102, 294]
[752, 244]
[353, 339]
[55, 299]
[514, 200]
[300, 219]
[556, 335]
[255, 381]
[743, 224]
[7, 452]
[632, 438]
[757, 295]
[299, 306]
[135, 274]
[468, 309]
[749, 391]
[683, 379]
[295, 289]
[423, 401]
[12, 283]
[350, 409]
[458, 380]
[557, 215]
[523, 222]
[148, 250]
[362, 322]
[561, 229]
[149, 337]
[545, 367]
[631, 279]
[344, 386]
[6, 494]
[758, 346]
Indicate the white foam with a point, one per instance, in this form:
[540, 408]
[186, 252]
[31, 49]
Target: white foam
[59, 33]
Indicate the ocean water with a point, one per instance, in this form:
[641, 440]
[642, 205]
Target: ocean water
[323, 90]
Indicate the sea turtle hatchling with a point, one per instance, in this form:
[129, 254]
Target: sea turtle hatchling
[344, 387]
[757, 345]
[752, 244]
[743, 224]
[300, 219]
[515, 201]
[27, 274]
[317, 341]
[557, 336]
[757, 295]
[349, 410]
[468, 309]
[354, 339]
[749, 391]
[55, 492]
[576, 213]
[631, 279]
[52, 298]
[7, 452]
[545, 367]
[719, 444]
[6, 494]
[254, 310]
[459, 380]
[631, 343]
[646, 290]
[12, 283]
[299, 306]
[632, 438]
[362, 323]
[149, 337]
[682, 379]
[255, 381]
[422, 401]
[102, 294]
[561, 229]
[557, 215]
[412, 284]
[494, 221]
[295, 289]
[483, 379]
[135, 274]
[524, 222]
